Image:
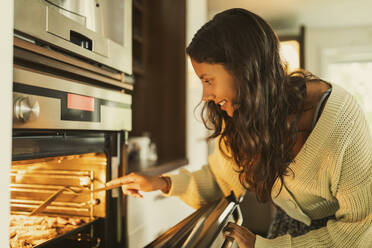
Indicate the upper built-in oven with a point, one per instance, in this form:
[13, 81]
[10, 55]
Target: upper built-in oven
[99, 31]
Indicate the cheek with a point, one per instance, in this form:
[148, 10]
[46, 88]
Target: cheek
[229, 90]
[230, 95]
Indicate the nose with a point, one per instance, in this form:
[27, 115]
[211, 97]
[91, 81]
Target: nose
[208, 96]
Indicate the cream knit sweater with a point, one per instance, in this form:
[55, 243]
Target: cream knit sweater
[332, 176]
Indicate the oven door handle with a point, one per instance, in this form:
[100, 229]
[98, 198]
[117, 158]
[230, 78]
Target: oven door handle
[202, 227]
[75, 32]
[211, 225]
[238, 217]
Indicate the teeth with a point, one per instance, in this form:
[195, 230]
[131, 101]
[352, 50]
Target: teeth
[222, 103]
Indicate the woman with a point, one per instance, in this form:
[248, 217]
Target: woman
[291, 138]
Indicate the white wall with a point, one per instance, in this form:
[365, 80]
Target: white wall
[288, 15]
[336, 13]
[327, 14]
[196, 133]
[319, 42]
[6, 51]
[349, 49]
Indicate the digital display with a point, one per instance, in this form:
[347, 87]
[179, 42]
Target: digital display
[79, 102]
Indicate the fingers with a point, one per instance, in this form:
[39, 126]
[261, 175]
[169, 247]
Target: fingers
[229, 232]
[134, 186]
[242, 235]
[116, 181]
[230, 228]
[129, 184]
[132, 192]
[131, 189]
[122, 180]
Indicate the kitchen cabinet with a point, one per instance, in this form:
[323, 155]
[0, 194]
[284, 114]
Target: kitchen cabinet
[159, 68]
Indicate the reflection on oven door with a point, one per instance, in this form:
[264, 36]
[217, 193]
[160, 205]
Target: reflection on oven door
[203, 229]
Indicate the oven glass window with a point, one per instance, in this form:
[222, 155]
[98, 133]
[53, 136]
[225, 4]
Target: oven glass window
[34, 181]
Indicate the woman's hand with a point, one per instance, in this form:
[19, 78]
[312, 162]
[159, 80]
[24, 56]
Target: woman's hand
[132, 183]
[242, 235]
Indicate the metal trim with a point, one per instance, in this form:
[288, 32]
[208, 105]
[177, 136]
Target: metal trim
[25, 148]
[45, 81]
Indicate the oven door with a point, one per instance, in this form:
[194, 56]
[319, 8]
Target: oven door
[203, 229]
[67, 135]
[45, 161]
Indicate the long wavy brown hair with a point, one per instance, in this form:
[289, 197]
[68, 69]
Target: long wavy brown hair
[262, 133]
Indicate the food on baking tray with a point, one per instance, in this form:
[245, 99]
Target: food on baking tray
[29, 231]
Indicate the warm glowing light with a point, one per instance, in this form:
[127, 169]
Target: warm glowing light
[290, 54]
[84, 181]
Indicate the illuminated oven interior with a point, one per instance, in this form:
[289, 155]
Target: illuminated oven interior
[33, 181]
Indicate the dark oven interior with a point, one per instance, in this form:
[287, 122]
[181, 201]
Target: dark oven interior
[75, 163]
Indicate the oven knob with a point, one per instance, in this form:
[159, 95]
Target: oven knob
[26, 108]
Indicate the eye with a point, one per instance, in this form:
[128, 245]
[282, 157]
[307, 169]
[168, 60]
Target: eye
[207, 81]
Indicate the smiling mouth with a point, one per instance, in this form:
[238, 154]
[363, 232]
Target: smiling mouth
[221, 103]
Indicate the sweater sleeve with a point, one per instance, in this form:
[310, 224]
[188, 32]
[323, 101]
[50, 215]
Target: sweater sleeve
[212, 182]
[195, 188]
[352, 187]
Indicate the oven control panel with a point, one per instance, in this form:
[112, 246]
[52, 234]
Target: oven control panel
[41, 101]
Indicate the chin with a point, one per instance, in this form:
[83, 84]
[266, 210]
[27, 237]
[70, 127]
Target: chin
[230, 113]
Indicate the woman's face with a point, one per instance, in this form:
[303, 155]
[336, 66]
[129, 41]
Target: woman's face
[218, 85]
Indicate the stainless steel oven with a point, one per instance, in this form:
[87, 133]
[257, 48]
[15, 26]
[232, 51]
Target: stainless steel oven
[99, 31]
[67, 135]
[71, 118]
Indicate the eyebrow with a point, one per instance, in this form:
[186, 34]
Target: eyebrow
[203, 75]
